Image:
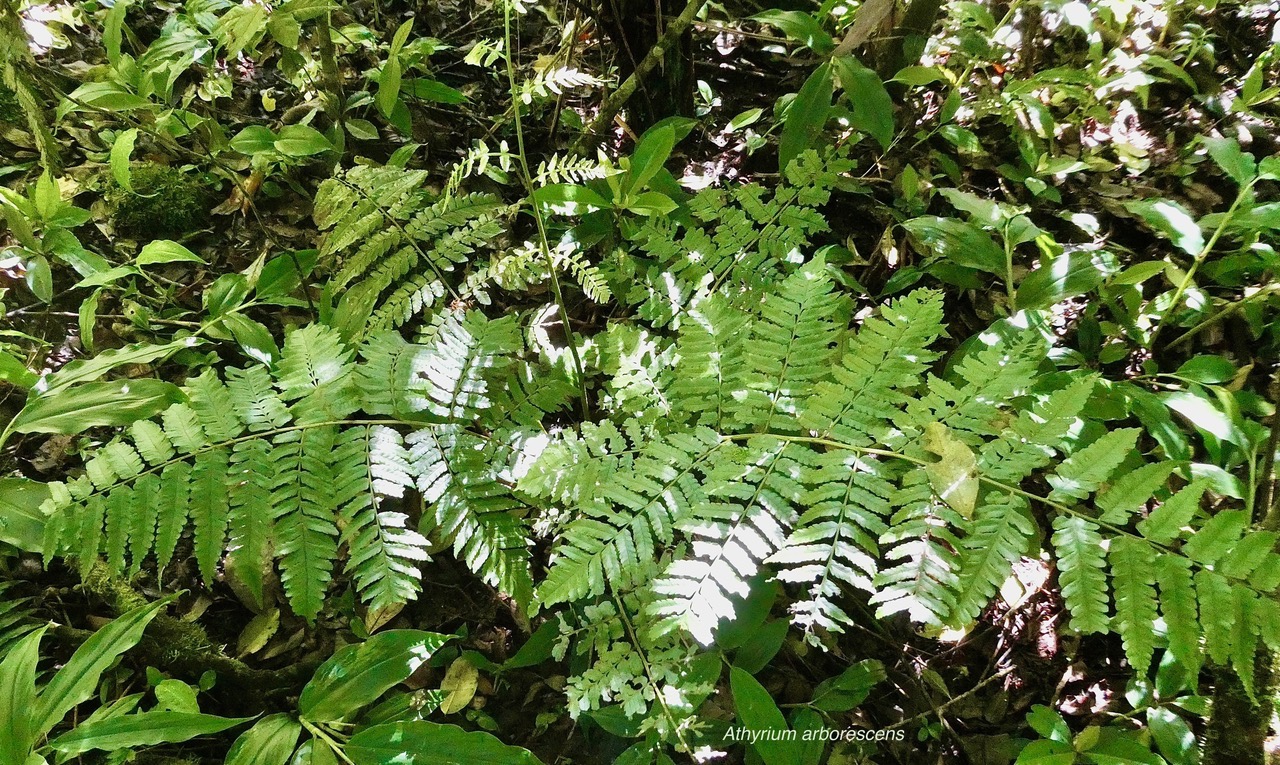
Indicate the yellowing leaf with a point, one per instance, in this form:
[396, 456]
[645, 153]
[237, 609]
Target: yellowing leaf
[257, 632]
[954, 477]
[460, 686]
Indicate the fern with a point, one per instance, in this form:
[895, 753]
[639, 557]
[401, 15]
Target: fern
[272, 469]
[383, 230]
[742, 238]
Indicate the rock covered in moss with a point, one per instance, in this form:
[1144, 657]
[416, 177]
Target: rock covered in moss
[165, 202]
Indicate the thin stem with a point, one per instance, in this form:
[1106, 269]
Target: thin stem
[320, 733]
[1185, 284]
[543, 242]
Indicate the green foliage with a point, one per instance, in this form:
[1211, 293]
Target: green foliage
[29, 712]
[165, 202]
[277, 466]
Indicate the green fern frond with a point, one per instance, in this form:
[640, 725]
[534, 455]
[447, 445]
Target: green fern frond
[884, 360]
[628, 515]
[834, 543]
[1002, 530]
[470, 509]
[751, 496]
[791, 348]
[923, 541]
[1082, 572]
[1133, 578]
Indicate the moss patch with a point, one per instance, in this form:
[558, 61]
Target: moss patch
[168, 202]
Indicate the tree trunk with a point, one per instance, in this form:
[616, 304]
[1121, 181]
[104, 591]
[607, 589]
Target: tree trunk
[667, 91]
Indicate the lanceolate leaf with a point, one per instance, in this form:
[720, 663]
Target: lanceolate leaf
[78, 679]
[358, 674]
[144, 729]
[428, 743]
[806, 117]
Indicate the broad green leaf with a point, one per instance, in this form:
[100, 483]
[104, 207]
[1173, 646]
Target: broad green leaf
[757, 711]
[1140, 272]
[269, 742]
[848, 689]
[76, 409]
[113, 31]
[806, 116]
[428, 743]
[652, 203]
[252, 337]
[165, 251]
[1173, 736]
[427, 89]
[958, 242]
[88, 370]
[459, 685]
[78, 679]
[121, 152]
[872, 106]
[1065, 276]
[955, 476]
[755, 655]
[39, 278]
[1046, 753]
[1173, 221]
[301, 141]
[21, 521]
[17, 696]
[358, 674]
[568, 199]
[804, 28]
[14, 372]
[315, 752]
[109, 96]
[389, 81]
[1209, 370]
[226, 293]
[745, 119]
[1240, 167]
[650, 155]
[1048, 723]
[145, 729]
[254, 139]
[1117, 746]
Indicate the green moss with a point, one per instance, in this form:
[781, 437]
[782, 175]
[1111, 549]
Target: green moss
[167, 202]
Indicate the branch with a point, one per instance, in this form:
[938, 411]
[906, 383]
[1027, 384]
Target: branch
[616, 100]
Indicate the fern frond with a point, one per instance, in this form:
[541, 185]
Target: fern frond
[635, 511]
[470, 509]
[887, 357]
[382, 552]
[1084, 472]
[791, 347]
[709, 372]
[923, 540]
[834, 541]
[306, 536]
[751, 499]
[1081, 572]
[1002, 529]
[1133, 577]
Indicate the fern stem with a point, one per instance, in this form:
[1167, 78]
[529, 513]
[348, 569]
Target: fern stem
[545, 245]
[648, 672]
